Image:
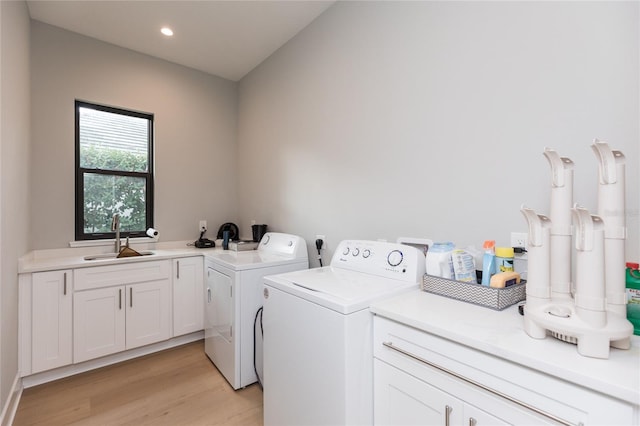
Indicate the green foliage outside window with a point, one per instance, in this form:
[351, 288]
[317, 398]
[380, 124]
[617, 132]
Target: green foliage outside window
[106, 194]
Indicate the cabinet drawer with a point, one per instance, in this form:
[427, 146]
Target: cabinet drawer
[422, 354]
[106, 276]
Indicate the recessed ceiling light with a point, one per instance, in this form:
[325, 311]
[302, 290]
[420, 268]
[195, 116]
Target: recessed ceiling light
[167, 31]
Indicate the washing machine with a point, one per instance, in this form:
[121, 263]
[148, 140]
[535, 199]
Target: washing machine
[318, 333]
[233, 297]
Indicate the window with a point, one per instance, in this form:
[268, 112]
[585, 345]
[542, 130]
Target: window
[114, 171]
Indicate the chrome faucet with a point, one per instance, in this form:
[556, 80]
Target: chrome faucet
[115, 226]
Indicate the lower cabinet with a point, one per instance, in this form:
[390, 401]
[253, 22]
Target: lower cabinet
[51, 321]
[74, 315]
[120, 307]
[402, 399]
[113, 319]
[188, 287]
[424, 379]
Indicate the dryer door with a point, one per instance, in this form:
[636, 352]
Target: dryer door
[222, 305]
[219, 330]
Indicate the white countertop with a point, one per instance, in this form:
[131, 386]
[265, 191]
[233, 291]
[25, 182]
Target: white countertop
[501, 333]
[69, 258]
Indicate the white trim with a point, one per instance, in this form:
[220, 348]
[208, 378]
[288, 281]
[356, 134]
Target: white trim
[70, 370]
[25, 317]
[11, 407]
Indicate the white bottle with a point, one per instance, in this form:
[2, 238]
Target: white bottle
[438, 261]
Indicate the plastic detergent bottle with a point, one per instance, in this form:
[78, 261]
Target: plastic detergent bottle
[633, 296]
[488, 262]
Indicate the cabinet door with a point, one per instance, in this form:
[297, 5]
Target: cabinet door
[148, 307]
[188, 304]
[52, 326]
[98, 323]
[497, 411]
[401, 399]
[475, 417]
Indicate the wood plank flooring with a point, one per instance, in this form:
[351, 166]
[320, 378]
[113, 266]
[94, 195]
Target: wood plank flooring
[179, 386]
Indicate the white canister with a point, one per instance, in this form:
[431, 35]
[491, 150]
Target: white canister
[438, 260]
[504, 259]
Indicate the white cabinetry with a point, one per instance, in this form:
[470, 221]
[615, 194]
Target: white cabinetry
[99, 321]
[110, 318]
[420, 378]
[188, 305]
[51, 319]
[90, 314]
[402, 399]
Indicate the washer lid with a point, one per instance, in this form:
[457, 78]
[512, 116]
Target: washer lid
[251, 259]
[338, 289]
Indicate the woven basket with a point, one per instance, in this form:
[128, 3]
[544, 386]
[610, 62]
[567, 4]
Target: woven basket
[488, 297]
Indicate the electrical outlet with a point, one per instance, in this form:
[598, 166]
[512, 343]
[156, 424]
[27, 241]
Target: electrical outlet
[324, 240]
[519, 239]
[203, 226]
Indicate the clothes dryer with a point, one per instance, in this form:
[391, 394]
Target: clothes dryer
[233, 296]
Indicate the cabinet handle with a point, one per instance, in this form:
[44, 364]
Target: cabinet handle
[391, 346]
[120, 298]
[131, 297]
[209, 295]
[472, 421]
[65, 284]
[178, 269]
[447, 414]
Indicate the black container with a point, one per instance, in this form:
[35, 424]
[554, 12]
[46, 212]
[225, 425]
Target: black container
[258, 232]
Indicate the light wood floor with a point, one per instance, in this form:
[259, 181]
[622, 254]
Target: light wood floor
[179, 386]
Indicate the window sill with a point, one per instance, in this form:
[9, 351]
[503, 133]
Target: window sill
[110, 242]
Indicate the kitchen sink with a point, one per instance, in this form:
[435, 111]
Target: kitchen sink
[105, 256]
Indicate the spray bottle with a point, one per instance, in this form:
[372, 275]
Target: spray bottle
[633, 296]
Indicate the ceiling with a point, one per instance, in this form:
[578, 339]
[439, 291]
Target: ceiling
[223, 38]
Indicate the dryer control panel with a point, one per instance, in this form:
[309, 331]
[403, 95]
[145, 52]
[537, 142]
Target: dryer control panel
[390, 260]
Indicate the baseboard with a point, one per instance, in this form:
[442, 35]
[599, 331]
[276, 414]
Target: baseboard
[10, 408]
[70, 370]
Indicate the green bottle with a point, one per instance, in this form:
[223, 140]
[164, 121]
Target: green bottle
[633, 296]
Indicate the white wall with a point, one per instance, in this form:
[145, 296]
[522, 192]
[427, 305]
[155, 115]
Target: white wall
[429, 119]
[14, 180]
[195, 125]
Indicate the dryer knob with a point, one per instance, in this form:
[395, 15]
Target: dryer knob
[395, 258]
